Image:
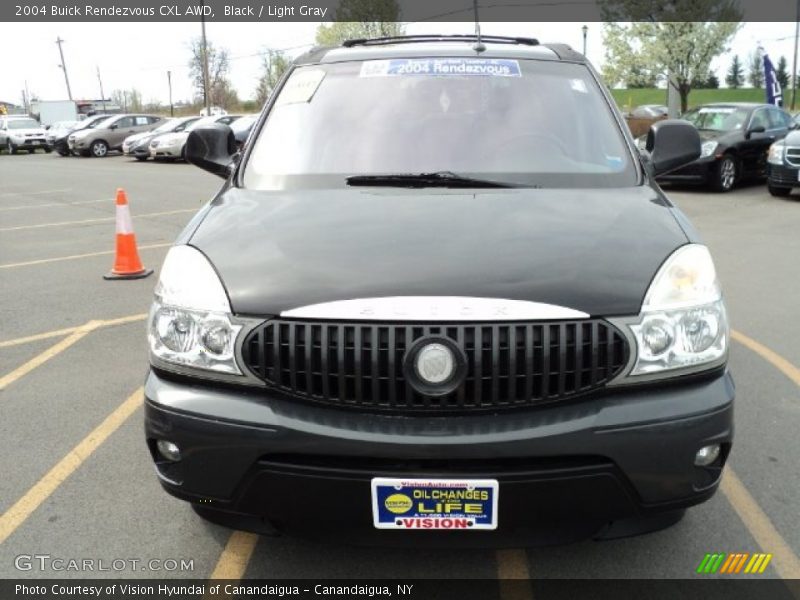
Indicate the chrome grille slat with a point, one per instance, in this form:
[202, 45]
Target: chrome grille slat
[360, 364]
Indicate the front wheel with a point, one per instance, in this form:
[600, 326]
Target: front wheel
[724, 174]
[137, 157]
[11, 148]
[48, 150]
[64, 152]
[99, 149]
[780, 192]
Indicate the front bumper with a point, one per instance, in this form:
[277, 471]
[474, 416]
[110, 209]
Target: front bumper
[29, 143]
[173, 151]
[783, 175]
[566, 472]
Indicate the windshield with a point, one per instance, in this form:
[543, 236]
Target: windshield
[527, 122]
[168, 126]
[23, 124]
[717, 118]
[103, 123]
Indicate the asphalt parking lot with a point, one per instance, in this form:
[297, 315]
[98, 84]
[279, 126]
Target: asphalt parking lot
[77, 481]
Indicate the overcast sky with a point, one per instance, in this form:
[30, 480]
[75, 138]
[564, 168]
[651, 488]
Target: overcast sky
[138, 55]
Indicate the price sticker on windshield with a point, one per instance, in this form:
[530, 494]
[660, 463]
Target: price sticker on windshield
[436, 67]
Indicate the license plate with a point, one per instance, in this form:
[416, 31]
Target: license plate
[428, 504]
[36, 142]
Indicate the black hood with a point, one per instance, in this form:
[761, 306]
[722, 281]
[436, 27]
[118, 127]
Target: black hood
[590, 250]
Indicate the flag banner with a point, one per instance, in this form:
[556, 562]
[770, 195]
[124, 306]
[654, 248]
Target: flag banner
[772, 85]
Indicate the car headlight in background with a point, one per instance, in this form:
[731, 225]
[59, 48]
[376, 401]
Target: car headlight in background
[190, 321]
[683, 323]
[776, 153]
[708, 148]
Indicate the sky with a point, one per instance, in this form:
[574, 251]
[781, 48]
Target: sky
[138, 55]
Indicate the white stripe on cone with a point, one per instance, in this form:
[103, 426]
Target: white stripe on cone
[124, 222]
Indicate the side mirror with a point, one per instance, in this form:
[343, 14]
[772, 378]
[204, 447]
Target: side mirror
[672, 143]
[113, 126]
[212, 147]
[756, 129]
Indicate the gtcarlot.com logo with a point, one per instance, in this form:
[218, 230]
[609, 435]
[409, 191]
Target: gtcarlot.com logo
[734, 563]
[46, 562]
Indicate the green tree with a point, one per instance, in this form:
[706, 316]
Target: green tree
[735, 77]
[355, 19]
[274, 64]
[712, 81]
[678, 39]
[782, 73]
[755, 70]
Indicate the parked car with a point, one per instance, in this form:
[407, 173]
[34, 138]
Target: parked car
[109, 134]
[649, 111]
[60, 142]
[172, 146]
[138, 145]
[241, 128]
[736, 137]
[21, 133]
[418, 289]
[59, 129]
[783, 165]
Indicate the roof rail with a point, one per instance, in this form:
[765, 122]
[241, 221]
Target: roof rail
[435, 37]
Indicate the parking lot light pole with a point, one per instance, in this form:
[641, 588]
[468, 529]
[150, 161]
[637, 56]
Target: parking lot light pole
[169, 83]
[794, 65]
[63, 65]
[102, 95]
[585, 30]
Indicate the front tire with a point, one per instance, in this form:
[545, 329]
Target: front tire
[11, 148]
[64, 152]
[99, 149]
[724, 174]
[141, 158]
[779, 192]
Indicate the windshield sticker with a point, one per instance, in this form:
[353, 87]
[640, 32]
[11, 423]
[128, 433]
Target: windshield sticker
[482, 67]
[578, 85]
[715, 109]
[301, 87]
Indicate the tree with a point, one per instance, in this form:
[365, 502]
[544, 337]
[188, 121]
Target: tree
[734, 77]
[712, 82]
[220, 91]
[782, 73]
[274, 64]
[129, 100]
[755, 70]
[677, 39]
[356, 19]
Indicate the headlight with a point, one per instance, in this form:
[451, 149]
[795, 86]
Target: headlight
[683, 324]
[191, 322]
[776, 153]
[707, 149]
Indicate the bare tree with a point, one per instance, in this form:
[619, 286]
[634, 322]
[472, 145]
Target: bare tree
[220, 91]
[356, 19]
[274, 64]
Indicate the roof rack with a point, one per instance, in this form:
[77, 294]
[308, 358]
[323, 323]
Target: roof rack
[435, 37]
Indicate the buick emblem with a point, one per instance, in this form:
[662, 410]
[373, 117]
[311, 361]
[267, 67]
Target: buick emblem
[435, 363]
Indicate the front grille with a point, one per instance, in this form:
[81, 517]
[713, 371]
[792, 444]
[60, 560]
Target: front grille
[780, 175]
[360, 365]
[793, 156]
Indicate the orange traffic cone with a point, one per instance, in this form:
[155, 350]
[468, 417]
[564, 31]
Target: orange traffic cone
[126, 264]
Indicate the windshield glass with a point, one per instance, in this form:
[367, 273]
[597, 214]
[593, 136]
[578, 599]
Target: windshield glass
[527, 122]
[168, 126]
[23, 124]
[717, 118]
[103, 123]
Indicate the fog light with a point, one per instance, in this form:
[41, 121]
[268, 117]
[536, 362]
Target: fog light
[706, 455]
[169, 450]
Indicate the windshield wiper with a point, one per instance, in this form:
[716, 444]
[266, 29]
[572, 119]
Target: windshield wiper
[420, 180]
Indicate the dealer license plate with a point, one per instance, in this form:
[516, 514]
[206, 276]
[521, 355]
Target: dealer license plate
[428, 504]
[35, 142]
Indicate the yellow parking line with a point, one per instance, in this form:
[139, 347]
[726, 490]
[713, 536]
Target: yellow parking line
[759, 525]
[59, 332]
[43, 261]
[775, 359]
[43, 489]
[233, 561]
[43, 357]
[100, 220]
[512, 567]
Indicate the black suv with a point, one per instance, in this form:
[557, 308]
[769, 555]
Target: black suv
[440, 299]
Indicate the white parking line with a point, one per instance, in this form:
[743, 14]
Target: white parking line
[52, 204]
[101, 220]
[4, 194]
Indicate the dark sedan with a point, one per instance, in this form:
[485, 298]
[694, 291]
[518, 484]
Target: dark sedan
[736, 137]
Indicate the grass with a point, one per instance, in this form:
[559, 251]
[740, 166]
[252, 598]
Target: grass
[631, 98]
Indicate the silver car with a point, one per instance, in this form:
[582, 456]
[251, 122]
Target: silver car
[21, 133]
[172, 146]
[111, 133]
